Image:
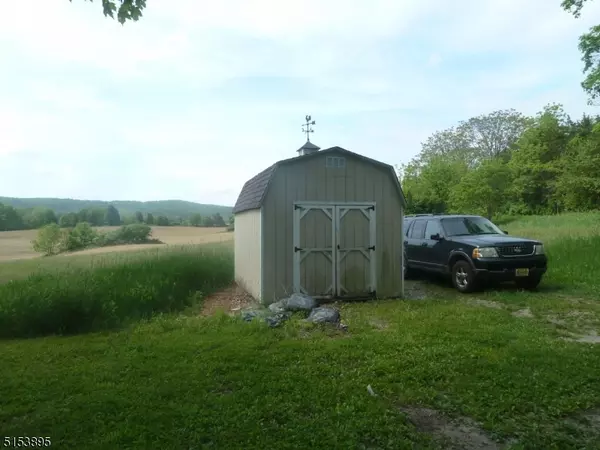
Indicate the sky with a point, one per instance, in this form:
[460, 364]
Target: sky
[197, 97]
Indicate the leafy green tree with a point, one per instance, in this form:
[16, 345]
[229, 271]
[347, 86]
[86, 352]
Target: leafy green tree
[112, 216]
[139, 217]
[428, 185]
[125, 9]
[578, 184]
[10, 219]
[589, 46]
[534, 163]
[49, 239]
[208, 221]
[481, 191]
[195, 220]
[80, 237]
[68, 220]
[218, 220]
[149, 219]
[495, 134]
[162, 221]
[96, 216]
[38, 217]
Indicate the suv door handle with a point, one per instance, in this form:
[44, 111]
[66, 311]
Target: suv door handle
[423, 244]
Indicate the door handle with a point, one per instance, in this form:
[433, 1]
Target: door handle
[423, 244]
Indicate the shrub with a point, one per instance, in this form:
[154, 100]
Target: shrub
[80, 237]
[105, 297]
[49, 240]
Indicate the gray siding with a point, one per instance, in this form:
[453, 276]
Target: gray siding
[310, 180]
[248, 264]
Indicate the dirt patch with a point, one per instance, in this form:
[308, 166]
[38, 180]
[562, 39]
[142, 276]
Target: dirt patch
[591, 337]
[415, 290]
[523, 313]
[379, 324]
[462, 433]
[230, 300]
[485, 303]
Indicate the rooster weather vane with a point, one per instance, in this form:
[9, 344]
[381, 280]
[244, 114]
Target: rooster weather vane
[307, 129]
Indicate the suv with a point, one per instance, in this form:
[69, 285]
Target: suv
[472, 250]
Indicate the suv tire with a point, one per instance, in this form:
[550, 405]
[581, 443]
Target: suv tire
[529, 283]
[463, 277]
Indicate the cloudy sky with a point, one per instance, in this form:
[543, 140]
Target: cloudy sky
[198, 96]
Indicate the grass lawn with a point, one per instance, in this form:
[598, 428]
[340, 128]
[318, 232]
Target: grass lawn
[509, 360]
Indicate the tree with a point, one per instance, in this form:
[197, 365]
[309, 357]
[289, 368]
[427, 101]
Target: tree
[10, 219]
[125, 9]
[208, 221]
[534, 163]
[218, 220]
[112, 216]
[196, 220]
[494, 134]
[149, 219]
[68, 220]
[481, 191]
[139, 217]
[96, 216]
[162, 221]
[589, 46]
[578, 184]
[38, 217]
[48, 240]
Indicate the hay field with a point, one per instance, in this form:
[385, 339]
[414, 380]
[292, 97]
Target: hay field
[15, 245]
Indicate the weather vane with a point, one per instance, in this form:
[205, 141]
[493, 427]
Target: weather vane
[307, 129]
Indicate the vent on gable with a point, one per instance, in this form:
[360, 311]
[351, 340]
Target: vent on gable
[335, 162]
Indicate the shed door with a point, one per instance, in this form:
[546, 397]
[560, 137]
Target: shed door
[355, 245]
[334, 250]
[314, 250]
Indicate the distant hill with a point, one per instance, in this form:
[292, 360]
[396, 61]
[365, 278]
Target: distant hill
[169, 208]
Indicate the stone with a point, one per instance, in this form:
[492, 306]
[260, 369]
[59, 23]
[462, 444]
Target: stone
[324, 314]
[300, 302]
[278, 307]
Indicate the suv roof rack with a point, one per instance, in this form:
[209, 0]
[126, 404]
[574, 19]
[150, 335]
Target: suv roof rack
[421, 215]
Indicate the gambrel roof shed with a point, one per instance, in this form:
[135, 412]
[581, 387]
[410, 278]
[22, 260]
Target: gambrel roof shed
[327, 223]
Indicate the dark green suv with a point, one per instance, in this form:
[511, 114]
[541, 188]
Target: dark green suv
[472, 250]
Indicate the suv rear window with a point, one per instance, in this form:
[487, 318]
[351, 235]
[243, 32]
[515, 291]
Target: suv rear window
[418, 230]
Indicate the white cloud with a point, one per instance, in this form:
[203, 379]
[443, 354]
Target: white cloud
[197, 97]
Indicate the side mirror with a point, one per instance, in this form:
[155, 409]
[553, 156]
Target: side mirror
[436, 237]
[505, 232]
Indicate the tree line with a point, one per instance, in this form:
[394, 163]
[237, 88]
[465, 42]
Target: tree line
[12, 219]
[506, 163]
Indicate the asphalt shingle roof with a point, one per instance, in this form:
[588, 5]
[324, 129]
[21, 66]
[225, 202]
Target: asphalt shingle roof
[255, 189]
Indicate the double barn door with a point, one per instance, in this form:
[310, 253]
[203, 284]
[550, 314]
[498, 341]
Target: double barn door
[334, 249]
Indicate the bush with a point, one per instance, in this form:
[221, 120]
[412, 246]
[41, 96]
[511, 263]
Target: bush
[80, 237]
[49, 240]
[88, 300]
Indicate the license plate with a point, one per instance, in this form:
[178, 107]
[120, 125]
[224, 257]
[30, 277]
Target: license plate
[522, 272]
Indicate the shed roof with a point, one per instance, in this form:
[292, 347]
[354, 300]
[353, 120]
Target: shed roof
[255, 189]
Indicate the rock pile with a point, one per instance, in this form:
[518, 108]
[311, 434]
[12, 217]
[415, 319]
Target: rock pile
[282, 310]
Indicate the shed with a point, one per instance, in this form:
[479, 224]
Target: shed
[326, 223]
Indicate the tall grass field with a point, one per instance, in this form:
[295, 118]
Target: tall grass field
[116, 364]
[111, 292]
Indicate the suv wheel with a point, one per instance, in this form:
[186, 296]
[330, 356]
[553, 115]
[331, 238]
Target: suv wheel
[463, 277]
[529, 283]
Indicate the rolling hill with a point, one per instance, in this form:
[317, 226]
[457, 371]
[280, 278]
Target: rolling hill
[169, 208]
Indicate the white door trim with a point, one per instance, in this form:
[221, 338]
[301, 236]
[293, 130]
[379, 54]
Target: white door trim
[300, 210]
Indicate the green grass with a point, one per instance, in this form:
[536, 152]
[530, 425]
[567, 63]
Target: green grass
[20, 269]
[180, 381]
[109, 294]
